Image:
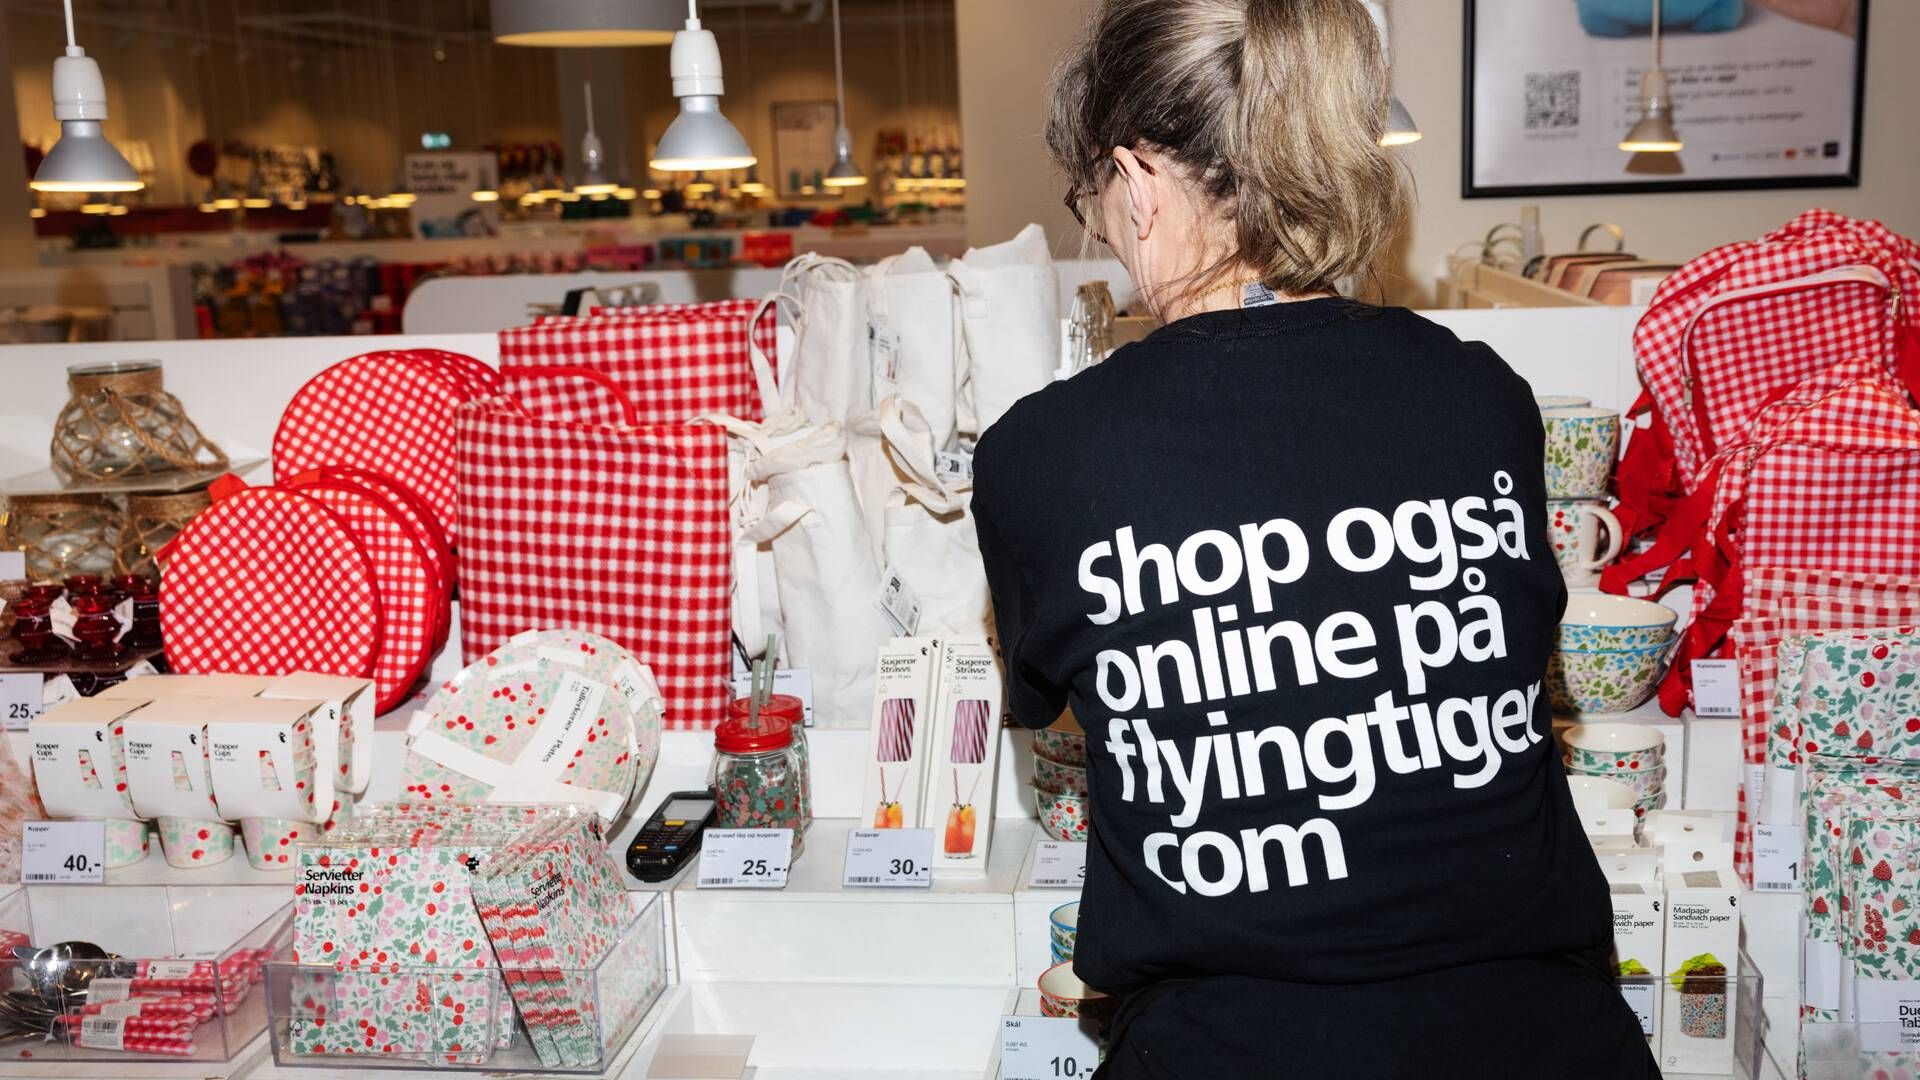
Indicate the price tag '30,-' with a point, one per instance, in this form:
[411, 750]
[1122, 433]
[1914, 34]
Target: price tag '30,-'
[1046, 1048]
[63, 852]
[889, 858]
[745, 858]
[1058, 865]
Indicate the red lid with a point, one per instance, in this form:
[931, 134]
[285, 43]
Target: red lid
[735, 736]
[785, 706]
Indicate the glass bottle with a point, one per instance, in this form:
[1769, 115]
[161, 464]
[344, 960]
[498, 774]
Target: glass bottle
[757, 780]
[792, 710]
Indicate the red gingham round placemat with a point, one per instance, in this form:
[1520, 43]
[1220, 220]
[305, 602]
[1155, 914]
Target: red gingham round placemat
[479, 379]
[269, 582]
[419, 521]
[410, 597]
[386, 411]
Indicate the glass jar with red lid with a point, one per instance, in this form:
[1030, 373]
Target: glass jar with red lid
[794, 711]
[757, 778]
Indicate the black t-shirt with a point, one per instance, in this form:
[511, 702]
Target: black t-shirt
[1289, 567]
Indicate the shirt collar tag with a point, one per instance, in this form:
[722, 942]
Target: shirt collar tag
[1255, 294]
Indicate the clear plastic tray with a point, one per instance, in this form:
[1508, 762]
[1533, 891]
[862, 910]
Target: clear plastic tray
[1710, 1035]
[172, 941]
[411, 1016]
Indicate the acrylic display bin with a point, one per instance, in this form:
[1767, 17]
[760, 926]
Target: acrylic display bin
[183, 950]
[416, 1016]
[1687, 1050]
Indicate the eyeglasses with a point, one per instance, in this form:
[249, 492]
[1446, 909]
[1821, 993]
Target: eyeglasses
[1076, 196]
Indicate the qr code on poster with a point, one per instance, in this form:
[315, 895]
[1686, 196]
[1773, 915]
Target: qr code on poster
[1553, 99]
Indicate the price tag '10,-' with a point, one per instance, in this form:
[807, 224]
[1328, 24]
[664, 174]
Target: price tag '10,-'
[1046, 1048]
[1058, 865]
[63, 852]
[889, 858]
[1776, 857]
[745, 858]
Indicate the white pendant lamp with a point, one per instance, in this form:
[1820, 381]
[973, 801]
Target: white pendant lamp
[82, 159]
[700, 137]
[593, 158]
[844, 172]
[584, 24]
[1654, 132]
[1401, 129]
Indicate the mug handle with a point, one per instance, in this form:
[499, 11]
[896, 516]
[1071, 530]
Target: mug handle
[1616, 538]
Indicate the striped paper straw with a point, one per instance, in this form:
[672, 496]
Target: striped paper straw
[969, 732]
[896, 729]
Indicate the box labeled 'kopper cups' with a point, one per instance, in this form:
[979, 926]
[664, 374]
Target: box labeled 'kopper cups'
[345, 734]
[964, 755]
[1700, 993]
[903, 689]
[264, 760]
[1639, 931]
[79, 761]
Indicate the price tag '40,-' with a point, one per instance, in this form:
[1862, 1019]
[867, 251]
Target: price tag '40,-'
[889, 858]
[63, 852]
[1046, 1048]
[1058, 865]
[745, 858]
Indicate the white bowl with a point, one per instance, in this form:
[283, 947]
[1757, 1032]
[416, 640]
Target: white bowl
[1594, 793]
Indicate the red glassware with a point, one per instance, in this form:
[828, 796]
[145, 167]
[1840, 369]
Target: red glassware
[144, 631]
[95, 627]
[33, 630]
[46, 592]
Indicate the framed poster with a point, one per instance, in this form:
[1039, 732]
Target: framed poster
[1767, 94]
[443, 185]
[802, 148]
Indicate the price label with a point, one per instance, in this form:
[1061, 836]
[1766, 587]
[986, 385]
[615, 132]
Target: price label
[898, 602]
[883, 351]
[953, 467]
[1640, 999]
[20, 699]
[63, 852]
[745, 858]
[1716, 689]
[1777, 851]
[889, 858]
[1046, 1048]
[795, 681]
[13, 565]
[1058, 865]
[103, 1033]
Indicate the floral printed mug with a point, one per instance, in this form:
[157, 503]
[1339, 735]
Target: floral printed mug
[1582, 443]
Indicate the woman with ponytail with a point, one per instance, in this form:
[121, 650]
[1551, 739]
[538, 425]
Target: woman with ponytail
[1286, 561]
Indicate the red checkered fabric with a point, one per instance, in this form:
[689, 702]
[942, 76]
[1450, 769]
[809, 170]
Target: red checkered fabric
[1737, 325]
[391, 412]
[619, 529]
[411, 600]
[478, 379]
[674, 362]
[419, 521]
[268, 582]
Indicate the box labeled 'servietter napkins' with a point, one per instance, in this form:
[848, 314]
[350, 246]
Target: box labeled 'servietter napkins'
[905, 675]
[1700, 995]
[964, 755]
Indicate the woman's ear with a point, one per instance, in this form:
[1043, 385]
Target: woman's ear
[1143, 185]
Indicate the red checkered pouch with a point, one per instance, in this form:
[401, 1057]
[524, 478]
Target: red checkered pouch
[1738, 326]
[620, 528]
[1830, 479]
[269, 582]
[671, 365]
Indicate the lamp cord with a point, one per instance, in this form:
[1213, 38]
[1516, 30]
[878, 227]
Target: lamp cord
[1657, 60]
[839, 83]
[72, 46]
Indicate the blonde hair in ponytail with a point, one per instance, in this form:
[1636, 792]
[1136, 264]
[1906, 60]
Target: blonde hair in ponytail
[1272, 109]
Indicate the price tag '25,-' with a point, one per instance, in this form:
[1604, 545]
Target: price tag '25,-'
[745, 858]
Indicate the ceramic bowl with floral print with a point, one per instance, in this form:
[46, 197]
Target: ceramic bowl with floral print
[1599, 623]
[191, 842]
[1603, 680]
[1582, 443]
[1643, 782]
[126, 842]
[1591, 793]
[1056, 776]
[1560, 401]
[1063, 930]
[273, 843]
[1599, 749]
[1064, 817]
[1063, 994]
[1065, 747]
[1652, 800]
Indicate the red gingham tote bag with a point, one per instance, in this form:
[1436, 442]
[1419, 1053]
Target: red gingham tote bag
[671, 366]
[269, 582]
[622, 529]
